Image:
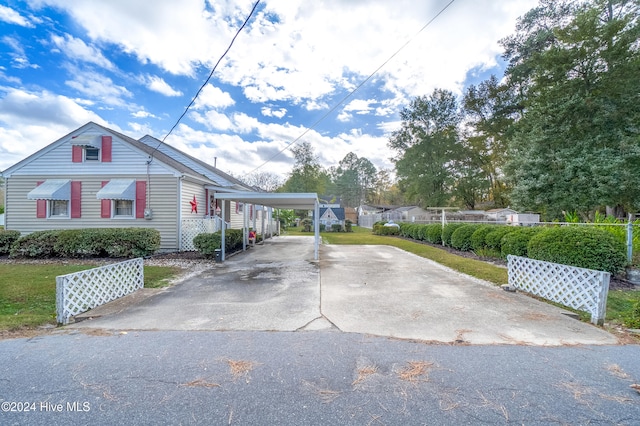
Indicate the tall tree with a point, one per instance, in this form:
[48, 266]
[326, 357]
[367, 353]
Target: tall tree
[490, 109]
[577, 146]
[427, 145]
[354, 179]
[266, 181]
[307, 174]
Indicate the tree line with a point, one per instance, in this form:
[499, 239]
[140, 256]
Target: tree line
[558, 132]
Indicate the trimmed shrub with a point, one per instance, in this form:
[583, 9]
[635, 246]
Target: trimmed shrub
[322, 227]
[36, 244]
[207, 243]
[583, 247]
[433, 233]
[477, 239]
[515, 243]
[348, 226]
[112, 242]
[306, 224]
[336, 227]
[7, 238]
[493, 240]
[390, 230]
[461, 237]
[448, 230]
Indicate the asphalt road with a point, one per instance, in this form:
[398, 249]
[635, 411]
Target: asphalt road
[309, 377]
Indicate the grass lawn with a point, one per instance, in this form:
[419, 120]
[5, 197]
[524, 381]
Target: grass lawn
[28, 292]
[620, 303]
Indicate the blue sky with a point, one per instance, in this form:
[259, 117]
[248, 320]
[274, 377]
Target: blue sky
[134, 65]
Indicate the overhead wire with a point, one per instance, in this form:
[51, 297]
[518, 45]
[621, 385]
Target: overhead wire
[352, 92]
[209, 77]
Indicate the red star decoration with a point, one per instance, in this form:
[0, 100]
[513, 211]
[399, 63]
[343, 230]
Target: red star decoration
[194, 205]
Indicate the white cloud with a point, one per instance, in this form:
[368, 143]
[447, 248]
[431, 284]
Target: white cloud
[157, 84]
[142, 114]
[18, 56]
[10, 16]
[77, 49]
[100, 87]
[270, 112]
[31, 120]
[214, 97]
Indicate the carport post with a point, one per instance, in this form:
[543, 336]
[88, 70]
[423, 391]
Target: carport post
[316, 226]
[223, 223]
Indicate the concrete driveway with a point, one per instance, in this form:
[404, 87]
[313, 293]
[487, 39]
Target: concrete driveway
[378, 290]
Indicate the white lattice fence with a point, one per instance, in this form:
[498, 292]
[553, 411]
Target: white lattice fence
[579, 288]
[192, 227]
[84, 290]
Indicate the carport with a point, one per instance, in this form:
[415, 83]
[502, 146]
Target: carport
[285, 200]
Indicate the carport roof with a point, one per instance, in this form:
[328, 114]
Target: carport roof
[279, 200]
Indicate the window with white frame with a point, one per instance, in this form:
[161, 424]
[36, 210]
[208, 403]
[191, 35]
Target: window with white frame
[58, 208]
[122, 208]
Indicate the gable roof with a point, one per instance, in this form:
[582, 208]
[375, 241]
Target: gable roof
[218, 176]
[171, 157]
[337, 211]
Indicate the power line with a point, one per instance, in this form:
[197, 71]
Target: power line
[343, 100]
[210, 74]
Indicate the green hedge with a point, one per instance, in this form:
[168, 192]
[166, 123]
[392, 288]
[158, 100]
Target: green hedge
[7, 238]
[110, 242]
[477, 239]
[461, 237]
[583, 247]
[493, 240]
[448, 230]
[516, 242]
[207, 243]
[379, 229]
[433, 233]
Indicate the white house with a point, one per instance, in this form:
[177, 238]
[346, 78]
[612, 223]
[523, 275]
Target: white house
[95, 177]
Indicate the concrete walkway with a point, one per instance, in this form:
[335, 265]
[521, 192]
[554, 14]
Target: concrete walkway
[378, 290]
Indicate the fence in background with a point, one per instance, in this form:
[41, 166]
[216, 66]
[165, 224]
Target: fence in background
[84, 290]
[578, 288]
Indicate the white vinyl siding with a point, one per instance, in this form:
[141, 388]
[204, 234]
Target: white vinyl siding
[20, 214]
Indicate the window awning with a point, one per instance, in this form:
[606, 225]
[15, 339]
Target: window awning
[118, 189]
[51, 189]
[93, 141]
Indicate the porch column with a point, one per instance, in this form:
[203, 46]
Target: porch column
[316, 226]
[223, 230]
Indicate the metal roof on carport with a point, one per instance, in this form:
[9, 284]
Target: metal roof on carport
[278, 200]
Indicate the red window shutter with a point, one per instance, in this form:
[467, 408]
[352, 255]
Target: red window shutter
[76, 154]
[106, 149]
[76, 199]
[141, 198]
[206, 202]
[41, 206]
[105, 205]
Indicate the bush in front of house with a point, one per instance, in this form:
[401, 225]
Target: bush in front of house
[36, 244]
[322, 227]
[448, 230]
[111, 242]
[516, 242]
[7, 238]
[461, 237]
[583, 247]
[207, 243]
[348, 226]
[306, 224]
[336, 227]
